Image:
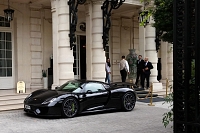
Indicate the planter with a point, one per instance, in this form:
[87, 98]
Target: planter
[45, 83]
[132, 61]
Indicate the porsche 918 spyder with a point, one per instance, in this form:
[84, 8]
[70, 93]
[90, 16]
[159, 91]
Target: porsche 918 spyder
[79, 96]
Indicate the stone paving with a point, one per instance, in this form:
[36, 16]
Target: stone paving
[143, 119]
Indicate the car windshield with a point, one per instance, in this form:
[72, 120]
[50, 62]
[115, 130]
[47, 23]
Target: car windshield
[71, 86]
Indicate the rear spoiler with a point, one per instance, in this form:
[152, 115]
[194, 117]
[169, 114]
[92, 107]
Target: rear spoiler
[122, 84]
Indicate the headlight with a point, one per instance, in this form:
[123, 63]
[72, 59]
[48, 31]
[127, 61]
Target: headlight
[49, 100]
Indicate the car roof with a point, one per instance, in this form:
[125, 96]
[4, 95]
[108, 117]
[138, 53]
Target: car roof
[86, 81]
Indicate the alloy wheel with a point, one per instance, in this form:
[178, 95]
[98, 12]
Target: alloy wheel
[129, 101]
[70, 107]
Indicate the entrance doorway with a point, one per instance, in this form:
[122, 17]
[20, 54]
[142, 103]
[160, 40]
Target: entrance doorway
[6, 60]
[83, 57]
[79, 52]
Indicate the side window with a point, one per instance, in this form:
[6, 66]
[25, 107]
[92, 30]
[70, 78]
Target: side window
[94, 87]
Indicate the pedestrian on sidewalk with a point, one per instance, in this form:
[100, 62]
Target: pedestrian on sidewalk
[124, 68]
[140, 63]
[147, 66]
[108, 70]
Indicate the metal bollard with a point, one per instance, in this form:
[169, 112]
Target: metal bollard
[151, 99]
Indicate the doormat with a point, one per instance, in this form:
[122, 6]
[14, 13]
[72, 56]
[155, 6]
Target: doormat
[156, 99]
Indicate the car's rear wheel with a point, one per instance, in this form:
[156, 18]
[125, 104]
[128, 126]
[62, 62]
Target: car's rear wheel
[128, 101]
[70, 107]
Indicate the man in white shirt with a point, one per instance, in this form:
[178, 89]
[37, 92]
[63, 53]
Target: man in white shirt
[124, 68]
[108, 71]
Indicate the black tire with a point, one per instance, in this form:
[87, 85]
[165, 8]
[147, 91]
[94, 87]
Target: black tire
[70, 107]
[128, 101]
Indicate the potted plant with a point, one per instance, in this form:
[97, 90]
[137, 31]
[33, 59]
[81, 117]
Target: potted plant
[44, 76]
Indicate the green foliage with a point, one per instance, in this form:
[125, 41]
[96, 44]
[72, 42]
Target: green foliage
[44, 73]
[163, 17]
[146, 17]
[168, 116]
[162, 13]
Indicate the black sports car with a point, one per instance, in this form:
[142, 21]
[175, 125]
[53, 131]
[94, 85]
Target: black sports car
[79, 96]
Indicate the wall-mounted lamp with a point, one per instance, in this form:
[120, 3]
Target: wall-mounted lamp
[143, 15]
[9, 13]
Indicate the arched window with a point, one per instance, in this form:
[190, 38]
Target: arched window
[3, 22]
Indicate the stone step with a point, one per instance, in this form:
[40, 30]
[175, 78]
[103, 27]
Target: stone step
[141, 93]
[11, 102]
[11, 107]
[13, 97]
[145, 95]
[7, 91]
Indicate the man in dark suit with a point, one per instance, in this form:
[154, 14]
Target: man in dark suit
[147, 66]
[140, 63]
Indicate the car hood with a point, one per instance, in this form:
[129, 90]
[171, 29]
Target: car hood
[46, 94]
[40, 96]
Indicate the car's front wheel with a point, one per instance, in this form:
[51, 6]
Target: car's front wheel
[70, 107]
[128, 101]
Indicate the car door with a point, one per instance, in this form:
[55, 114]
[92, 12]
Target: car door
[95, 96]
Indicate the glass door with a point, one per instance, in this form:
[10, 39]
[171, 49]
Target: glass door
[6, 62]
[76, 64]
[79, 53]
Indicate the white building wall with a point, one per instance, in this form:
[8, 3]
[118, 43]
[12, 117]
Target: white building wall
[36, 47]
[33, 43]
[88, 12]
[115, 48]
[21, 23]
[124, 35]
[28, 28]
[135, 34]
[98, 53]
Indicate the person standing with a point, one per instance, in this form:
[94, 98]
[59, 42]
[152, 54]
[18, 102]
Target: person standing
[147, 66]
[140, 63]
[108, 71]
[124, 68]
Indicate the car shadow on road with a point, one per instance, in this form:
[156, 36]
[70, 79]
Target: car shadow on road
[79, 115]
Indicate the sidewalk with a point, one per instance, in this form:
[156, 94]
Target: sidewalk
[143, 119]
[157, 102]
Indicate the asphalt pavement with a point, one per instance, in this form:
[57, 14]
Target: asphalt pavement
[143, 119]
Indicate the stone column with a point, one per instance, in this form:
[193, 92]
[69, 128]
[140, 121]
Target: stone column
[141, 47]
[98, 53]
[88, 12]
[164, 54]
[55, 42]
[36, 47]
[135, 33]
[151, 53]
[62, 55]
[115, 50]
[170, 61]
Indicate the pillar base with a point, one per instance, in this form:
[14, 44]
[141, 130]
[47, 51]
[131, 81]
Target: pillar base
[157, 86]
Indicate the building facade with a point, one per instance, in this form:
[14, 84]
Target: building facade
[38, 39]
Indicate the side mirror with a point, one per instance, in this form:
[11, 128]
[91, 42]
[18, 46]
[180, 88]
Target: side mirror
[57, 87]
[89, 92]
